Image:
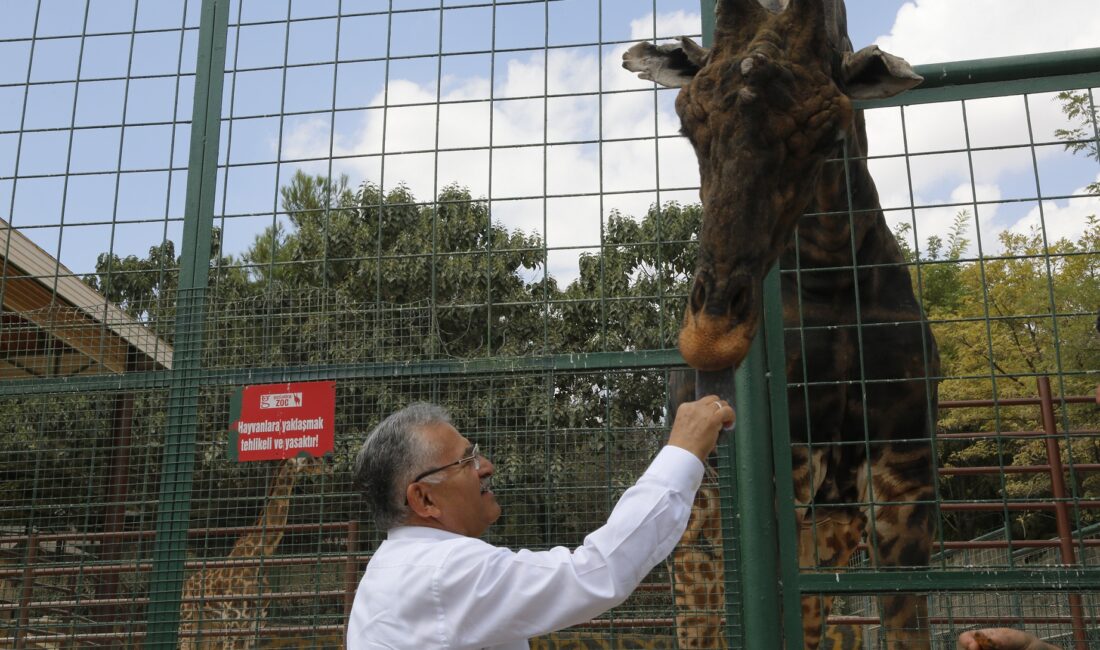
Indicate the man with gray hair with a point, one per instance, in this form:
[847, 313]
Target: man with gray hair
[433, 584]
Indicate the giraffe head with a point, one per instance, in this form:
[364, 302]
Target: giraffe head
[306, 465]
[764, 108]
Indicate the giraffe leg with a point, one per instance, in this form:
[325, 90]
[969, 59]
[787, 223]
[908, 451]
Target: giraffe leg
[827, 535]
[904, 525]
[827, 539]
[842, 637]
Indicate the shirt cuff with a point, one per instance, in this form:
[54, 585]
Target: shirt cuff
[678, 468]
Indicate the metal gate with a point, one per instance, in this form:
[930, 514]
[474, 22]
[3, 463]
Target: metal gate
[200, 196]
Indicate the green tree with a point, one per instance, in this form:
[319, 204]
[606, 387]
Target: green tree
[1032, 315]
[1082, 136]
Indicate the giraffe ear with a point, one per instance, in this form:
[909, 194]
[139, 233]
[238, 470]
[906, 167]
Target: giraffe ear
[873, 74]
[672, 65]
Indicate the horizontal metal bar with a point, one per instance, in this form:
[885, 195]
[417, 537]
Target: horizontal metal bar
[999, 77]
[1049, 579]
[89, 603]
[992, 621]
[1015, 544]
[1076, 433]
[1016, 506]
[88, 537]
[130, 381]
[1014, 469]
[1013, 401]
[303, 632]
[191, 565]
[1009, 68]
[588, 361]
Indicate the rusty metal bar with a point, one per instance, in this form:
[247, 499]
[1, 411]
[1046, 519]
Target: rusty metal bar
[26, 595]
[1061, 511]
[652, 587]
[1013, 401]
[351, 567]
[90, 569]
[1000, 505]
[194, 532]
[118, 491]
[115, 602]
[994, 621]
[1081, 433]
[1016, 469]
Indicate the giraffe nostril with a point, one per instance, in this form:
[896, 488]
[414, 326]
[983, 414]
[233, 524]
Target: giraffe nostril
[739, 300]
[698, 295]
[740, 296]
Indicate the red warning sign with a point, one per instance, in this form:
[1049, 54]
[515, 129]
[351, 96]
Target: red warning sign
[276, 421]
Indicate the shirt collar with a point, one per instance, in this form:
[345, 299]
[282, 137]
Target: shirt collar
[420, 532]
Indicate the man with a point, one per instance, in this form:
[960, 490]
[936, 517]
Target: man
[433, 584]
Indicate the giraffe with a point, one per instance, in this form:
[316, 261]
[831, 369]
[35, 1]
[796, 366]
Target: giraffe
[205, 608]
[768, 110]
[698, 564]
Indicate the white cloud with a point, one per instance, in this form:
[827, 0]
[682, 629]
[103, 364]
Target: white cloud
[666, 25]
[998, 130]
[549, 147]
[933, 31]
[1061, 219]
[541, 147]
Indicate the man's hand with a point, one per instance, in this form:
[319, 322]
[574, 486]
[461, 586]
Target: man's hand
[698, 423]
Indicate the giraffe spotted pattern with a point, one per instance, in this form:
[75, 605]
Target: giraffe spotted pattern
[224, 607]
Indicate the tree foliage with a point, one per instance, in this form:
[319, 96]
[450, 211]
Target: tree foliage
[1001, 323]
[1083, 132]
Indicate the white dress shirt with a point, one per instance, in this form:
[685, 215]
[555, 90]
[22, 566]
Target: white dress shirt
[428, 588]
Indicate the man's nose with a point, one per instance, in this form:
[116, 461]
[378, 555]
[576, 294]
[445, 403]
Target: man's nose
[486, 467]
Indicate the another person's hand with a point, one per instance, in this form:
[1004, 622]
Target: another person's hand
[1001, 638]
[698, 423]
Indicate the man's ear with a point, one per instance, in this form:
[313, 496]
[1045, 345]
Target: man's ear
[420, 501]
[873, 74]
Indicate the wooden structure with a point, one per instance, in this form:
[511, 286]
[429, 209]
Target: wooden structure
[54, 325]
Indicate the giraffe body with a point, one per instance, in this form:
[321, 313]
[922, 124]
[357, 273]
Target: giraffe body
[769, 112]
[224, 607]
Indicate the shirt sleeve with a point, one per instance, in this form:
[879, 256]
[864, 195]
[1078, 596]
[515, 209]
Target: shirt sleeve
[490, 596]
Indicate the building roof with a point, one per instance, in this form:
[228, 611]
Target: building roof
[52, 324]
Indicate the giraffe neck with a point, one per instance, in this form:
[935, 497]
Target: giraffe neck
[698, 572]
[265, 540]
[844, 229]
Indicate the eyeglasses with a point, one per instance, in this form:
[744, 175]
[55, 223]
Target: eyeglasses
[474, 457]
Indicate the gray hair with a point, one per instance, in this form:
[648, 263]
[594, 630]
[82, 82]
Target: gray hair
[393, 453]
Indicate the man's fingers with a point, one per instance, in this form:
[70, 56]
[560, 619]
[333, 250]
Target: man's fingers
[724, 411]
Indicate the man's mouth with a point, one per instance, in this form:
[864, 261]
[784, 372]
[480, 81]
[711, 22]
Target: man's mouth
[487, 485]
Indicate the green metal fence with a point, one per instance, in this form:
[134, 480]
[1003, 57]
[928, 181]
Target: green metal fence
[200, 196]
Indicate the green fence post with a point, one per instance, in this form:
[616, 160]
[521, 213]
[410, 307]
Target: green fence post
[728, 477]
[781, 450]
[177, 464]
[756, 502]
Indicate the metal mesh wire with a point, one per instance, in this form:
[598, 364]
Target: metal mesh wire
[492, 216]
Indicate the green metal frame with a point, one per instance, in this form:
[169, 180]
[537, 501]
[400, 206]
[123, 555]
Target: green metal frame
[764, 560]
[170, 549]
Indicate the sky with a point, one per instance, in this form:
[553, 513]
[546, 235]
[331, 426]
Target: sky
[550, 128]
